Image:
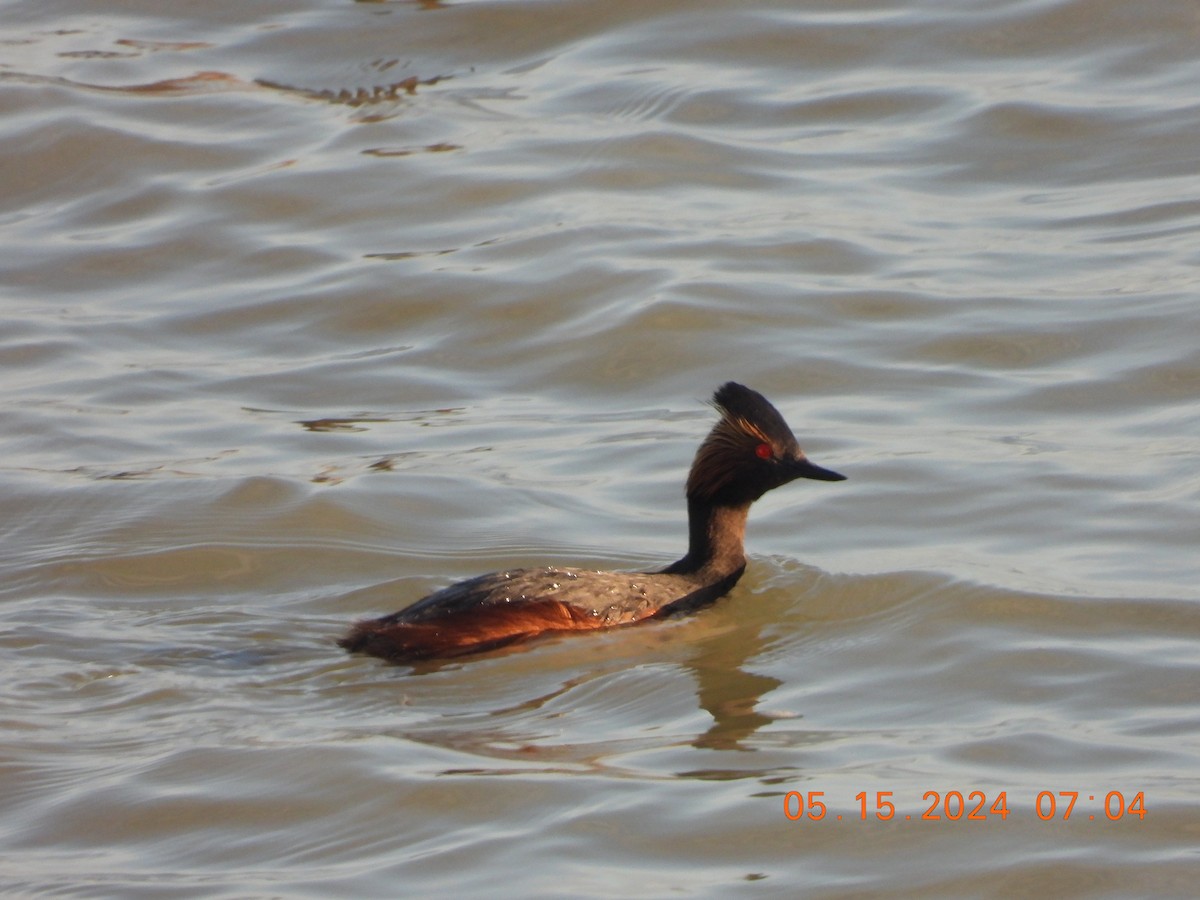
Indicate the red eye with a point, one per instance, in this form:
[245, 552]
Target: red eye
[764, 451]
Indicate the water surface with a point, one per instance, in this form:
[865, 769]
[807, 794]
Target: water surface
[312, 307]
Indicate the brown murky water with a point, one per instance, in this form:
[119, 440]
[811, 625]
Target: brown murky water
[311, 307]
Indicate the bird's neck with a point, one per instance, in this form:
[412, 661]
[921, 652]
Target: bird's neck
[716, 540]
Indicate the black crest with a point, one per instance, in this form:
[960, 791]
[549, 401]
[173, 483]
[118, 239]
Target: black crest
[753, 413]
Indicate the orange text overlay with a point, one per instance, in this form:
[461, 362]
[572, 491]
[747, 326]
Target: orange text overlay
[970, 806]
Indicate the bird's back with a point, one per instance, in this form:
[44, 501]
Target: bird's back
[502, 607]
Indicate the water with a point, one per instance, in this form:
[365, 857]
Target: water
[310, 308]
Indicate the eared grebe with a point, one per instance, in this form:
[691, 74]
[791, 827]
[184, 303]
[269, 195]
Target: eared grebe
[749, 451]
